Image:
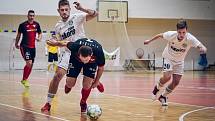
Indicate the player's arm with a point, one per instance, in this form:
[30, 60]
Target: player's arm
[39, 31]
[202, 48]
[53, 42]
[39, 38]
[17, 40]
[90, 13]
[101, 62]
[158, 36]
[99, 73]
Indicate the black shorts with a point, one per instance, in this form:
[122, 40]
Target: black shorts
[52, 57]
[75, 67]
[28, 53]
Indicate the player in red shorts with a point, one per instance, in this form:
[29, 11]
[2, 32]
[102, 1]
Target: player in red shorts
[28, 29]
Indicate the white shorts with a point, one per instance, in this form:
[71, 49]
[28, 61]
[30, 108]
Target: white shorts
[173, 66]
[64, 60]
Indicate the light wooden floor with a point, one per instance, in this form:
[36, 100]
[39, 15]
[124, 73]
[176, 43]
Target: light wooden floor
[126, 98]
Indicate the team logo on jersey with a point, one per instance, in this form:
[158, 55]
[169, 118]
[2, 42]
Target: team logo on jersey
[184, 45]
[70, 22]
[68, 33]
[178, 49]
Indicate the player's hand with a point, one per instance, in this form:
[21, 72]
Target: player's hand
[52, 42]
[38, 40]
[17, 46]
[95, 84]
[77, 5]
[146, 42]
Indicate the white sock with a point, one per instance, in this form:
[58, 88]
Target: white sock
[50, 97]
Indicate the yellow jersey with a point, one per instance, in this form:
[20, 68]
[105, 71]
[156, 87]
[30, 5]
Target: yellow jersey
[52, 49]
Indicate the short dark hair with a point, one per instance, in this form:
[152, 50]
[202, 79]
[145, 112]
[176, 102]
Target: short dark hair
[30, 11]
[181, 24]
[62, 3]
[85, 51]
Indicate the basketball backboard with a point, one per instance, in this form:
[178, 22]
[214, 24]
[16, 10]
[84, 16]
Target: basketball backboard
[113, 11]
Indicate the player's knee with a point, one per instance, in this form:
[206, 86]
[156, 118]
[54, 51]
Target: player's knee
[58, 76]
[29, 63]
[70, 82]
[166, 77]
[176, 82]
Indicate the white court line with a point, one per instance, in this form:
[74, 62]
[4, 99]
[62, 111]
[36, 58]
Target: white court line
[200, 88]
[136, 98]
[181, 118]
[10, 106]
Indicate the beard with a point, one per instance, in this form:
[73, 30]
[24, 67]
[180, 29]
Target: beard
[65, 16]
[180, 38]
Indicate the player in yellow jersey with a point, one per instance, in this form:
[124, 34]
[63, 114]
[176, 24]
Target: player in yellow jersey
[52, 52]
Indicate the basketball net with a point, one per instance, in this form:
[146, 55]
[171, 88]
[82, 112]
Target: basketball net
[112, 18]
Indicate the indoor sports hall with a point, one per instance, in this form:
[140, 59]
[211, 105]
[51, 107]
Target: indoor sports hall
[132, 68]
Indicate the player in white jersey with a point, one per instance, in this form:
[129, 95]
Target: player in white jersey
[178, 44]
[69, 28]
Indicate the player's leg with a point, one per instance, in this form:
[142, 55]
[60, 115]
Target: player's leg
[89, 71]
[50, 60]
[85, 92]
[167, 73]
[53, 87]
[178, 69]
[55, 61]
[28, 55]
[73, 71]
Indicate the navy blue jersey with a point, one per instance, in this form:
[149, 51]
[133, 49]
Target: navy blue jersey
[98, 54]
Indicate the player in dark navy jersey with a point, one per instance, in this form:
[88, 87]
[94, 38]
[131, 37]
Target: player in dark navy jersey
[87, 54]
[28, 29]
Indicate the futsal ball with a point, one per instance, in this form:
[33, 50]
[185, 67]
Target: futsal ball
[94, 112]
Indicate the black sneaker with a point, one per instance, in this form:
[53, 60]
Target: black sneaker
[154, 93]
[163, 100]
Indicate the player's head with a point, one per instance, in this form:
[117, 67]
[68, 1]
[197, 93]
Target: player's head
[31, 15]
[181, 29]
[85, 53]
[64, 9]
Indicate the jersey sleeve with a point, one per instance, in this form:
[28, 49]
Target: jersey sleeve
[167, 35]
[38, 28]
[100, 59]
[194, 41]
[20, 29]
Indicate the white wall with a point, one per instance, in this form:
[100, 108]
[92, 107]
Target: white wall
[189, 9]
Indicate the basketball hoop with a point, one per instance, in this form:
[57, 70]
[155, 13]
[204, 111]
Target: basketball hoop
[112, 18]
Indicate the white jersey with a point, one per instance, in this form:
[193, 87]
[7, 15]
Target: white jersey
[176, 50]
[72, 29]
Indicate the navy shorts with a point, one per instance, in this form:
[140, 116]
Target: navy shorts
[28, 53]
[75, 67]
[52, 57]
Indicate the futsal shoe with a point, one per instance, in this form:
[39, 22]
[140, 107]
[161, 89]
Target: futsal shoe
[83, 107]
[46, 108]
[154, 93]
[163, 100]
[25, 83]
[67, 89]
[100, 87]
